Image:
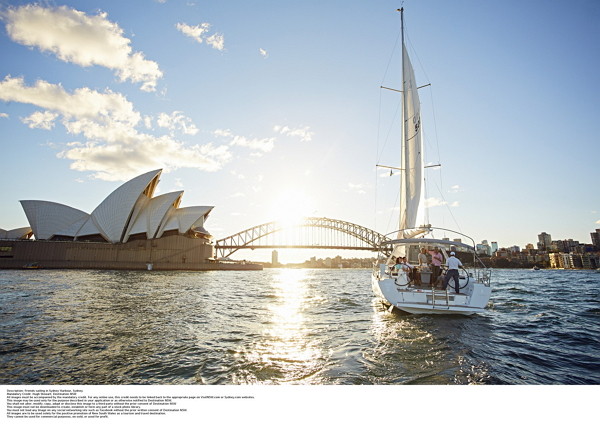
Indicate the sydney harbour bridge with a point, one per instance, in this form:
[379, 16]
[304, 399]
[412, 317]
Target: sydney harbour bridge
[308, 233]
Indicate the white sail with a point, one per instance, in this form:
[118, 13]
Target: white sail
[418, 289]
[411, 205]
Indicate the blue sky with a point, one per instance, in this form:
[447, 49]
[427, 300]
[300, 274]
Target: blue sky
[270, 107]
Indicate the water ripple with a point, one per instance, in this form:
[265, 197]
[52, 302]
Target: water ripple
[289, 327]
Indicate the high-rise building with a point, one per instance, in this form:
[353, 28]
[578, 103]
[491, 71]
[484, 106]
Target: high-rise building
[484, 248]
[494, 247]
[544, 241]
[596, 238]
[275, 257]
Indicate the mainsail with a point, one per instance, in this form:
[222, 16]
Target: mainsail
[411, 206]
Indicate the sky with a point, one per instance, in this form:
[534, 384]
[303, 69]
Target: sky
[265, 109]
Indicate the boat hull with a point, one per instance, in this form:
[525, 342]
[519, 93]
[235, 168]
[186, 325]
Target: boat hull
[426, 300]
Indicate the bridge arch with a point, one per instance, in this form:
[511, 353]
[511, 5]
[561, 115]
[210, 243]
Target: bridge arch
[353, 236]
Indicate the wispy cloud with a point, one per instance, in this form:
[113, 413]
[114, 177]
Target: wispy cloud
[199, 34]
[81, 103]
[85, 40]
[237, 175]
[301, 132]
[437, 202]
[3, 115]
[597, 221]
[263, 52]
[455, 189]
[41, 120]
[358, 188]
[177, 121]
[264, 144]
[112, 147]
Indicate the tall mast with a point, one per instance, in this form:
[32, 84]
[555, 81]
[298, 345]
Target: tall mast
[403, 147]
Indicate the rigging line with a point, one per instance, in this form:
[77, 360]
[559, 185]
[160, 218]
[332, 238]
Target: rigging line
[437, 142]
[387, 136]
[390, 59]
[448, 207]
[414, 51]
[425, 204]
[376, 161]
[392, 213]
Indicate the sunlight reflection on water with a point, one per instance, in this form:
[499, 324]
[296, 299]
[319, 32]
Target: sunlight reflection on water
[286, 326]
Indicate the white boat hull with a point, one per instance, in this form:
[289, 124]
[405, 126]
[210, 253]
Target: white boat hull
[413, 299]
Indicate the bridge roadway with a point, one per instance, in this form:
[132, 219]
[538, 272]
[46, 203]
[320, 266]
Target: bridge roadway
[310, 232]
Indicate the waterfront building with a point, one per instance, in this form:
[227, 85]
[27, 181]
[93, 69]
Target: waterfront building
[484, 249]
[596, 239]
[130, 229]
[544, 241]
[275, 257]
[494, 247]
[565, 245]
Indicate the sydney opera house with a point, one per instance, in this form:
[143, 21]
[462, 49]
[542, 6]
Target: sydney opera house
[130, 229]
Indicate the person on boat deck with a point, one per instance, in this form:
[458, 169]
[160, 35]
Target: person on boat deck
[413, 274]
[436, 264]
[398, 265]
[423, 258]
[453, 264]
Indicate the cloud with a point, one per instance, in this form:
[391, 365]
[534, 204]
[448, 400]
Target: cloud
[455, 189]
[41, 120]
[118, 161]
[302, 133]
[197, 32]
[264, 145]
[223, 133]
[358, 188]
[177, 121]
[437, 202]
[81, 103]
[216, 41]
[597, 221]
[113, 149]
[263, 52]
[85, 40]
[3, 115]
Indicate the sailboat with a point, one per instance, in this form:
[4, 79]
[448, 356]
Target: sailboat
[418, 286]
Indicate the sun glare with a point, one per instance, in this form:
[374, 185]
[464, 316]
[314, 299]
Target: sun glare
[290, 207]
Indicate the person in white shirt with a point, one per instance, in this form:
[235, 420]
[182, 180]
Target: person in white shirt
[453, 264]
[413, 275]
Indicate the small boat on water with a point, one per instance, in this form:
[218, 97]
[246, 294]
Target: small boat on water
[417, 285]
[535, 268]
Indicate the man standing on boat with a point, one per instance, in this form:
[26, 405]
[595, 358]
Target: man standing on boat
[453, 264]
[436, 264]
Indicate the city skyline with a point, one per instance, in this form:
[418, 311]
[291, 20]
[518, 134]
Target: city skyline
[269, 114]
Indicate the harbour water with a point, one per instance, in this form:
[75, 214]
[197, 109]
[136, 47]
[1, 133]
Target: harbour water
[289, 326]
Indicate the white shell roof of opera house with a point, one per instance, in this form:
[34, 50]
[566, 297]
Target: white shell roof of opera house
[131, 209]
